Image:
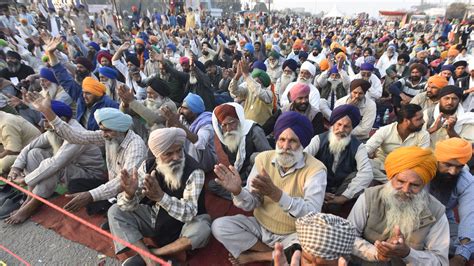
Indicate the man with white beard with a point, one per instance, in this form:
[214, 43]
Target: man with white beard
[333, 84]
[345, 157]
[241, 139]
[123, 150]
[173, 212]
[288, 76]
[108, 76]
[285, 184]
[400, 223]
[50, 86]
[306, 75]
[157, 93]
[274, 68]
[48, 159]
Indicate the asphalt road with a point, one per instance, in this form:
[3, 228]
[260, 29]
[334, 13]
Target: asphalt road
[40, 246]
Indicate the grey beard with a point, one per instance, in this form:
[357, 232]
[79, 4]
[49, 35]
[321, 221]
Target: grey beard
[172, 172]
[232, 140]
[404, 213]
[13, 68]
[288, 159]
[336, 145]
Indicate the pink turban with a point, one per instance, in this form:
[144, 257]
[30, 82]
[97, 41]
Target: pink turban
[299, 90]
[183, 60]
[162, 139]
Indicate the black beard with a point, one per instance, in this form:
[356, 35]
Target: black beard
[446, 111]
[139, 50]
[442, 186]
[416, 79]
[80, 76]
[301, 107]
[205, 53]
[13, 67]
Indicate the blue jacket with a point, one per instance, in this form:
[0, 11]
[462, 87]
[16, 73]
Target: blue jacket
[75, 91]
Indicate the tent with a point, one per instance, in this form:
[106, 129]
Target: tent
[334, 13]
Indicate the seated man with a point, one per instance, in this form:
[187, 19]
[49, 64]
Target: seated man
[448, 119]
[123, 150]
[306, 75]
[359, 98]
[299, 102]
[199, 131]
[157, 93]
[405, 89]
[345, 157]
[49, 159]
[325, 239]
[285, 184]
[453, 185]
[256, 89]
[241, 140]
[375, 89]
[399, 221]
[174, 213]
[407, 131]
[429, 98]
[15, 134]
[334, 84]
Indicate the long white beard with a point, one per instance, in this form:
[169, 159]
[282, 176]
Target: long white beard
[303, 80]
[153, 104]
[172, 172]
[336, 144]
[289, 158]
[403, 212]
[54, 140]
[285, 80]
[232, 139]
[192, 79]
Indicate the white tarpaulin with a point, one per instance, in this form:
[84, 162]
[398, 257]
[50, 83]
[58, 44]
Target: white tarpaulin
[334, 13]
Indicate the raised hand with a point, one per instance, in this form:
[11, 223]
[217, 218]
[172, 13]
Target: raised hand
[129, 183]
[228, 178]
[38, 101]
[125, 94]
[53, 45]
[125, 46]
[263, 185]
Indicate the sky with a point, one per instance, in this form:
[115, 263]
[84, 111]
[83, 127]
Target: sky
[349, 7]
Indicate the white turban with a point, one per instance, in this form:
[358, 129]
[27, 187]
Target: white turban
[162, 139]
[309, 67]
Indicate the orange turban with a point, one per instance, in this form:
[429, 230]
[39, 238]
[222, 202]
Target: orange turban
[453, 149]
[153, 39]
[422, 161]
[324, 64]
[438, 81]
[453, 52]
[139, 41]
[334, 45]
[93, 86]
[341, 54]
[298, 44]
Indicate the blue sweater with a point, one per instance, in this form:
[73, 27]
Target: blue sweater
[75, 91]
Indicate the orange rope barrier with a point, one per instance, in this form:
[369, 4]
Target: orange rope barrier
[15, 255]
[88, 224]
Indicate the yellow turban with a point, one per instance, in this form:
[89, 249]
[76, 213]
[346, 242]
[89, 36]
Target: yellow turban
[93, 86]
[443, 55]
[438, 81]
[334, 45]
[453, 149]
[324, 64]
[422, 161]
[341, 54]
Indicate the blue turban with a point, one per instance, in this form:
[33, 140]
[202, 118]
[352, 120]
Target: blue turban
[94, 45]
[108, 72]
[48, 74]
[347, 109]
[367, 67]
[113, 119]
[249, 47]
[291, 63]
[303, 54]
[195, 103]
[61, 109]
[370, 59]
[333, 70]
[171, 46]
[299, 123]
[448, 67]
[259, 65]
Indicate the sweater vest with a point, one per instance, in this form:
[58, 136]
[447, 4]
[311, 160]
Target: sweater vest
[269, 214]
[346, 165]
